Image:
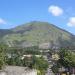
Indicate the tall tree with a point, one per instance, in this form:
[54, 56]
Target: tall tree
[67, 58]
[2, 55]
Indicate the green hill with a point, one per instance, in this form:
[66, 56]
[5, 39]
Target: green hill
[37, 33]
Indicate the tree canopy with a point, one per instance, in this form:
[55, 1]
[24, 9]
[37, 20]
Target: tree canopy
[67, 58]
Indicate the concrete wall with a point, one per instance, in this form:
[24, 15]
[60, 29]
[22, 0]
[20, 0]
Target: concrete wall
[30, 72]
[3, 73]
[16, 70]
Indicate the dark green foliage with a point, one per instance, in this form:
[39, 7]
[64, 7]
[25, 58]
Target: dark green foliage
[2, 55]
[40, 64]
[55, 69]
[67, 58]
[14, 56]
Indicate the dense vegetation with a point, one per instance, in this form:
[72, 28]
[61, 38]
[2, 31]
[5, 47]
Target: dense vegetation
[16, 57]
[26, 57]
[2, 56]
[67, 61]
[67, 58]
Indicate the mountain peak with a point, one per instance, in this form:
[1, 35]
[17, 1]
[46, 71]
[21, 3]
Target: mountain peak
[37, 33]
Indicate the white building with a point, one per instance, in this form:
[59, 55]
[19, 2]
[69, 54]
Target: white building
[30, 72]
[16, 70]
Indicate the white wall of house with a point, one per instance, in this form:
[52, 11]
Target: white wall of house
[3, 73]
[16, 70]
[32, 72]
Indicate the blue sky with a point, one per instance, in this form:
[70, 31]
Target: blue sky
[58, 12]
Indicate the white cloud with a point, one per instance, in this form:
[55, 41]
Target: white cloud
[55, 10]
[2, 21]
[71, 22]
